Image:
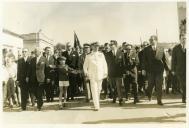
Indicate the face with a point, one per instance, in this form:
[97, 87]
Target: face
[113, 46]
[37, 52]
[128, 49]
[47, 51]
[107, 47]
[24, 52]
[95, 48]
[86, 49]
[183, 39]
[69, 47]
[153, 41]
[62, 62]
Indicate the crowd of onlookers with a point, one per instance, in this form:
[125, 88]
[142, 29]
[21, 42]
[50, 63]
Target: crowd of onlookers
[131, 71]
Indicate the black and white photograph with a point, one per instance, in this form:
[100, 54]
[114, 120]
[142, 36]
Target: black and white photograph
[109, 63]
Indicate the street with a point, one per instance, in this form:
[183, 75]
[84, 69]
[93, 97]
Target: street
[79, 112]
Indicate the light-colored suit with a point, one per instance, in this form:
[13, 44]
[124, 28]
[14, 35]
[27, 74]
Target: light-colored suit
[95, 68]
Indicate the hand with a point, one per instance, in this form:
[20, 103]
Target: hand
[27, 79]
[143, 72]
[48, 80]
[52, 66]
[17, 82]
[173, 72]
[127, 72]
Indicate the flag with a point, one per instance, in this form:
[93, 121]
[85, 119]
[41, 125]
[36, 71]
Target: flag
[76, 41]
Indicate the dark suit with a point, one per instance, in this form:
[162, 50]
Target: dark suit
[36, 74]
[21, 77]
[142, 80]
[179, 67]
[51, 74]
[72, 61]
[154, 64]
[130, 71]
[115, 73]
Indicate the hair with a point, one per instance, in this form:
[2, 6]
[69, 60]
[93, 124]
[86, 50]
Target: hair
[153, 36]
[47, 47]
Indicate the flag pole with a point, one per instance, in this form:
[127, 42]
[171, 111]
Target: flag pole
[141, 41]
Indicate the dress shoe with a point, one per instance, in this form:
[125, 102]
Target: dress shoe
[96, 109]
[114, 101]
[121, 102]
[136, 101]
[183, 101]
[160, 103]
[38, 109]
[87, 100]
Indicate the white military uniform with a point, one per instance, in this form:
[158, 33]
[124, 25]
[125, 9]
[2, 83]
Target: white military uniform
[95, 67]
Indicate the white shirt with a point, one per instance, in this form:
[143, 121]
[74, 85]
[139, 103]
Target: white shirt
[25, 58]
[38, 59]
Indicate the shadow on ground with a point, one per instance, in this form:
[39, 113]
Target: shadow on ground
[161, 119]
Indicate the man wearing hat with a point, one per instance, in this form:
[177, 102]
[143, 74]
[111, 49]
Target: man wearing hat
[86, 83]
[95, 68]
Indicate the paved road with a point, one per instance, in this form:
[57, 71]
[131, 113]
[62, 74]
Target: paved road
[79, 112]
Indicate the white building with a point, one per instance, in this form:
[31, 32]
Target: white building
[11, 41]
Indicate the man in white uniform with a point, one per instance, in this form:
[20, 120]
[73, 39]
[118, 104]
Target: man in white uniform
[95, 68]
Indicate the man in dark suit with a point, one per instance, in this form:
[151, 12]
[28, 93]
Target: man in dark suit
[142, 80]
[22, 68]
[130, 72]
[115, 71]
[49, 87]
[72, 58]
[36, 75]
[179, 64]
[154, 65]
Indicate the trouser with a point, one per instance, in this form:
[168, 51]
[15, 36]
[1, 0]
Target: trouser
[88, 89]
[24, 94]
[73, 84]
[39, 96]
[4, 92]
[116, 84]
[182, 83]
[49, 89]
[155, 80]
[142, 83]
[11, 91]
[96, 86]
[105, 86]
[130, 81]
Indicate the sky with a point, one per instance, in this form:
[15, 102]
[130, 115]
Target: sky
[101, 22]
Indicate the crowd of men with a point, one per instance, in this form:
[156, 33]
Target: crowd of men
[117, 71]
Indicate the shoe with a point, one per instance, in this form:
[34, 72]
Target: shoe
[136, 101]
[114, 101]
[38, 109]
[51, 100]
[120, 102]
[87, 100]
[23, 109]
[160, 103]
[96, 109]
[33, 104]
[149, 98]
[183, 101]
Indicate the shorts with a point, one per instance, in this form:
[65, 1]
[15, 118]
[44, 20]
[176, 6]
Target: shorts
[63, 83]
